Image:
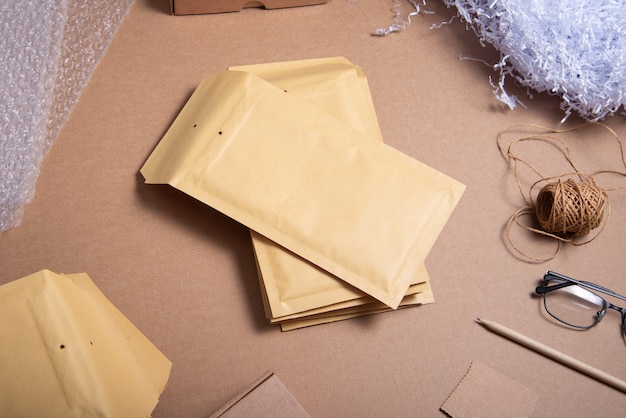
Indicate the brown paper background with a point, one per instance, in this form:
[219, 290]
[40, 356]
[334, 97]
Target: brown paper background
[185, 274]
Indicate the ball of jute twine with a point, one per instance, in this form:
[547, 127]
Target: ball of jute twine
[568, 206]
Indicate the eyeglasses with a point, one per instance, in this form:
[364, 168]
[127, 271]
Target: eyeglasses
[574, 302]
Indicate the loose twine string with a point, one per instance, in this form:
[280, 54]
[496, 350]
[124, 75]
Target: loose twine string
[567, 206]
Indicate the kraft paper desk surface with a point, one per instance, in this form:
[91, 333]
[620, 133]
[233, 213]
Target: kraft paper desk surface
[190, 281]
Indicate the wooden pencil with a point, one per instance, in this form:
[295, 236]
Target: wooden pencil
[554, 354]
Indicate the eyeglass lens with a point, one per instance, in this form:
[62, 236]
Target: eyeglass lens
[574, 305]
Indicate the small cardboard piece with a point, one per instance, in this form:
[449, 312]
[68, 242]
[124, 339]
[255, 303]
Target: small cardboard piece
[196, 7]
[484, 392]
[266, 398]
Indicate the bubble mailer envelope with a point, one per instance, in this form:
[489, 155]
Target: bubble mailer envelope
[353, 206]
[292, 287]
[66, 351]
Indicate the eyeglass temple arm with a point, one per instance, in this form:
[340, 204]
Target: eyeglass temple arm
[569, 281]
[540, 290]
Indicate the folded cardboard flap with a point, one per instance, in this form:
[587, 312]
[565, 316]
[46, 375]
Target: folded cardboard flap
[196, 7]
[265, 398]
[485, 392]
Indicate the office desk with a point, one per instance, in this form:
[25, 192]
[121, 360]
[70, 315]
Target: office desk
[185, 274]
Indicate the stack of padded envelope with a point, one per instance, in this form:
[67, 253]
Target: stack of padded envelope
[340, 223]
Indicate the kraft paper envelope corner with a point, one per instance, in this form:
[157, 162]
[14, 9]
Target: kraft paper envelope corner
[72, 353]
[284, 168]
[484, 392]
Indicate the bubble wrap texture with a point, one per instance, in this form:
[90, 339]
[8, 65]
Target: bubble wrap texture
[48, 50]
[575, 49]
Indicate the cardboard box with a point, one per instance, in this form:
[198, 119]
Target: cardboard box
[196, 7]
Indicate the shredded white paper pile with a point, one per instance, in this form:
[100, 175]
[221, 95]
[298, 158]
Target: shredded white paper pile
[48, 50]
[575, 49]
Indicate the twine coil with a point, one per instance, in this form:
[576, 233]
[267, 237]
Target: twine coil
[568, 206]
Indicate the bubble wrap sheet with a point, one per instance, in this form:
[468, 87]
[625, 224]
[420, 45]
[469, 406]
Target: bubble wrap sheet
[48, 50]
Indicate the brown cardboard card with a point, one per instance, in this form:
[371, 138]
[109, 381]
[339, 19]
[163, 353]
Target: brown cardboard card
[196, 7]
[267, 397]
[484, 392]
[355, 207]
[69, 352]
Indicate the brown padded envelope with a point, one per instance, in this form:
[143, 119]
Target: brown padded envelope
[190, 281]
